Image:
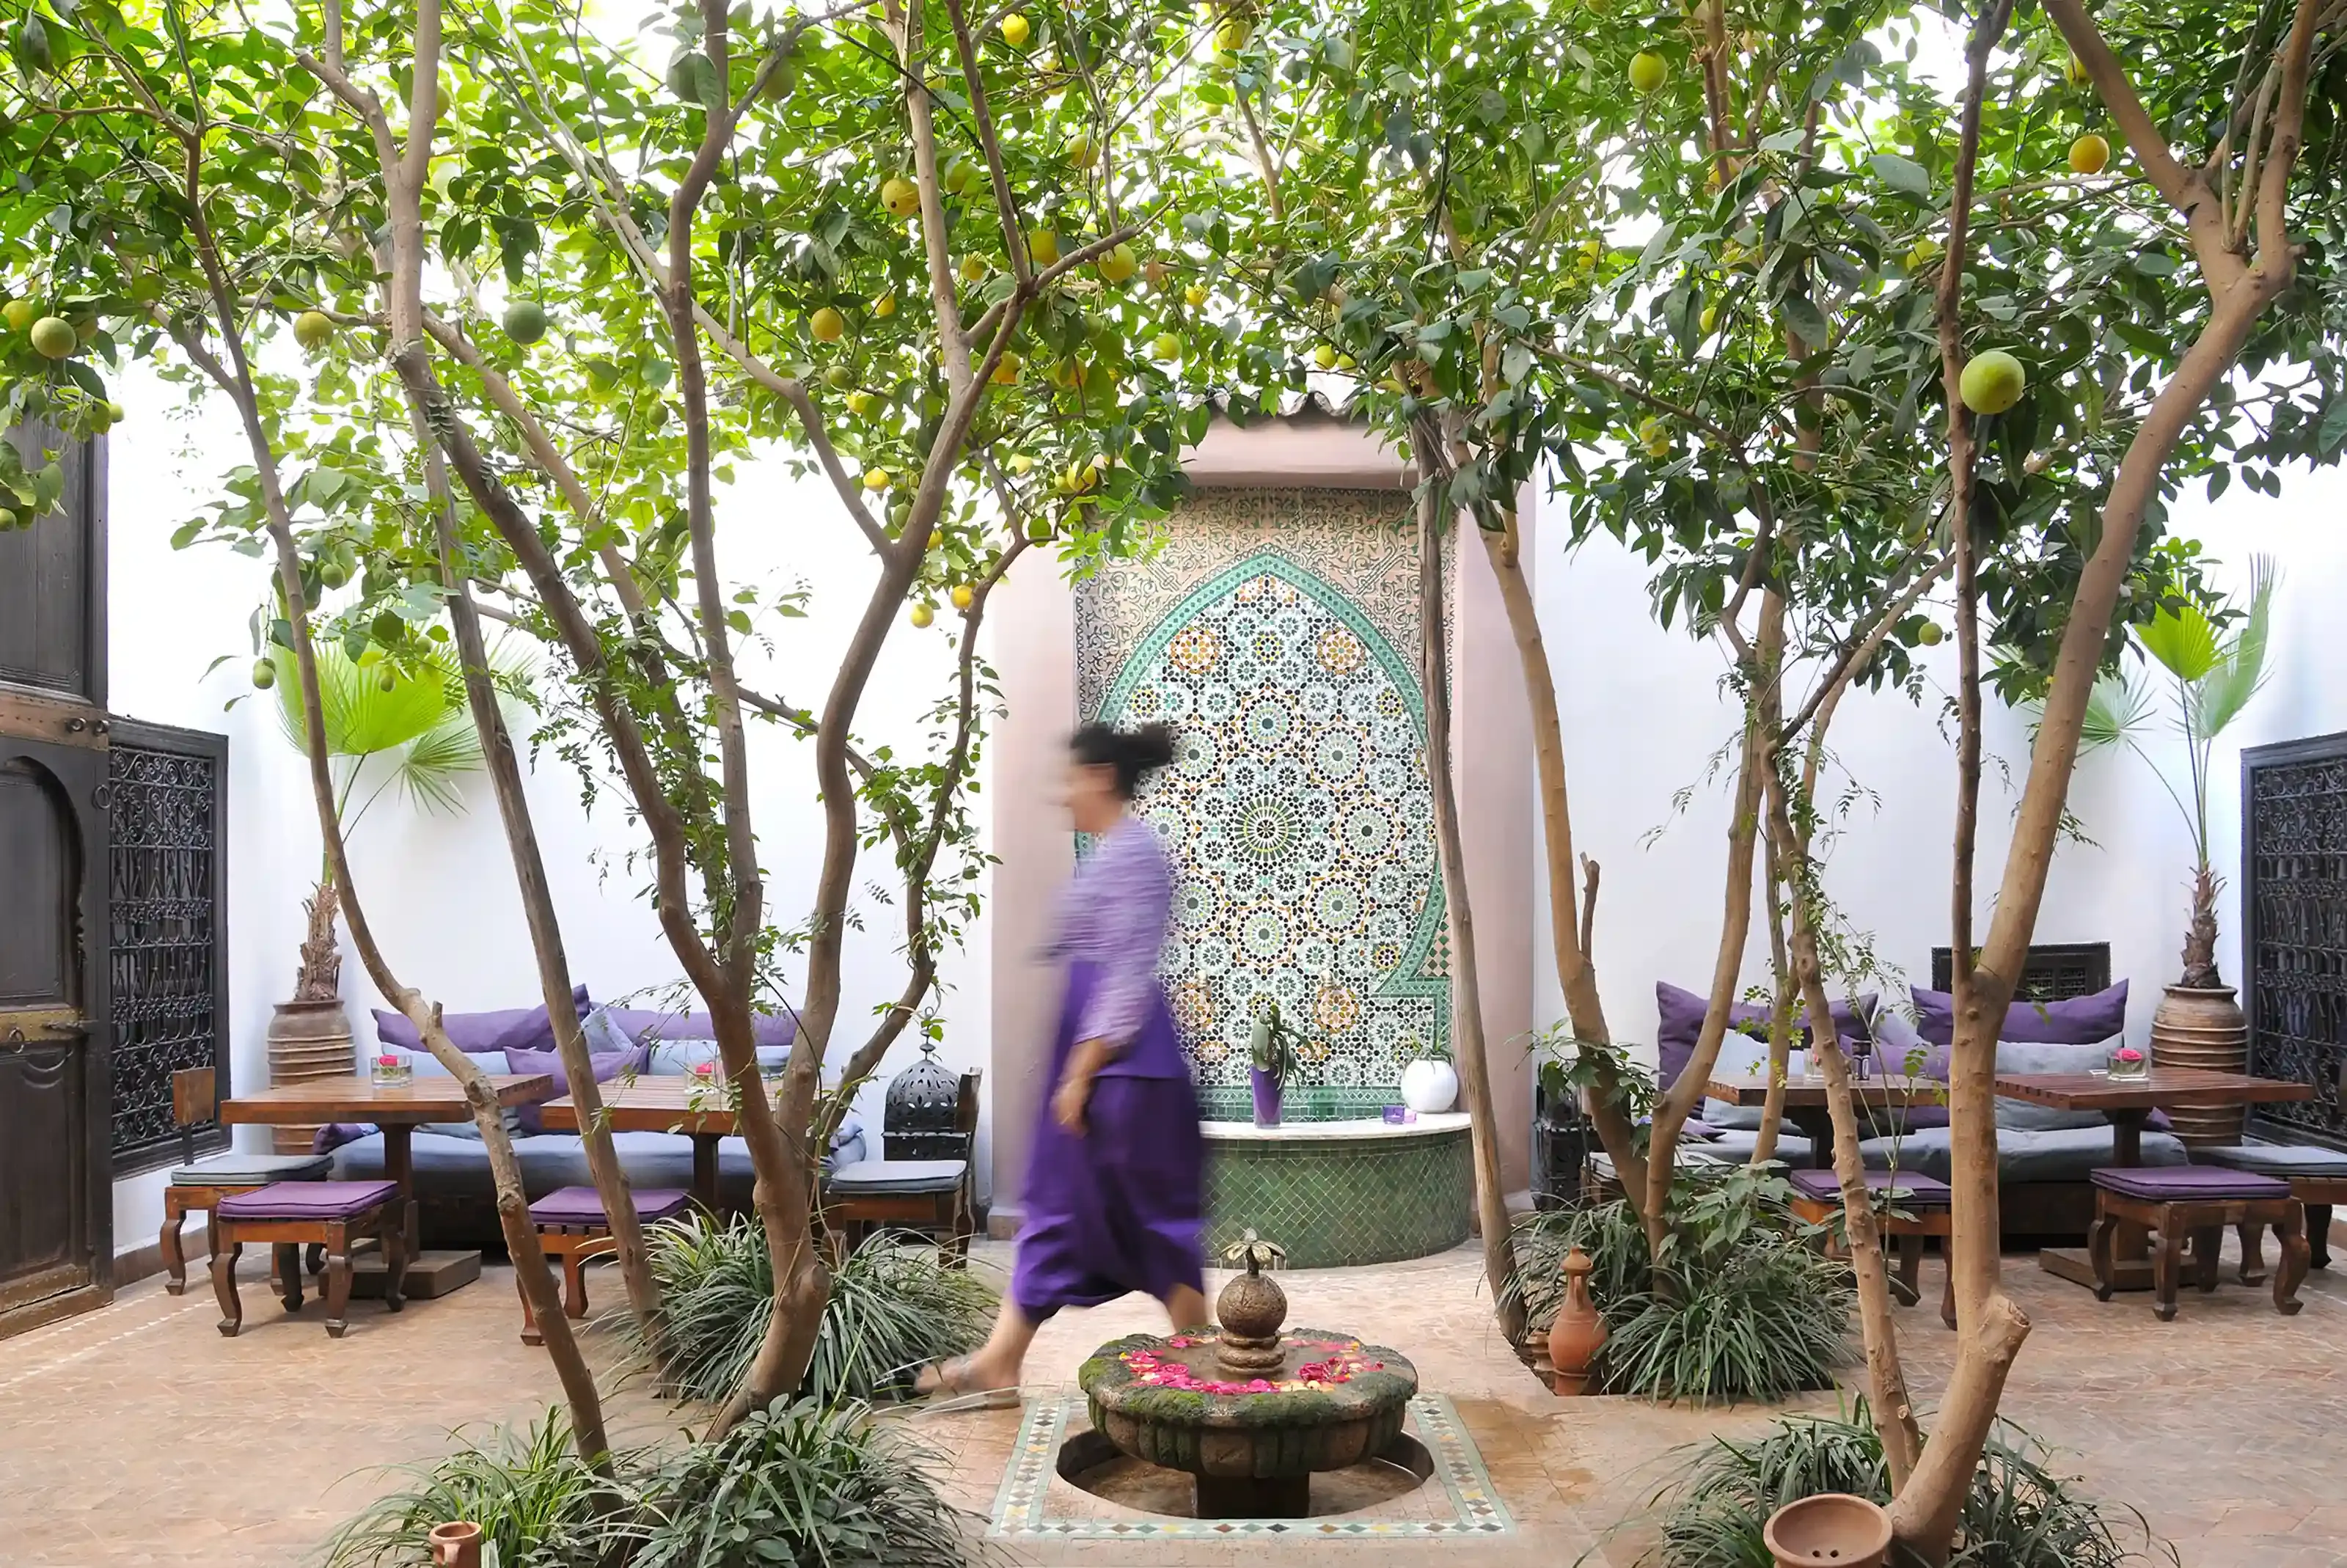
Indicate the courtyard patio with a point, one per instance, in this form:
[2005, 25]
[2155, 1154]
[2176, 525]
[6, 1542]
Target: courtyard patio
[137, 1437]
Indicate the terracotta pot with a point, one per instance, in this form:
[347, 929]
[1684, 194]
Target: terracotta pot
[456, 1544]
[307, 1039]
[2203, 1027]
[1579, 1331]
[1833, 1530]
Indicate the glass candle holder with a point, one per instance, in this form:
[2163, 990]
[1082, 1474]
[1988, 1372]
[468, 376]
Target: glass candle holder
[392, 1067]
[2126, 1061]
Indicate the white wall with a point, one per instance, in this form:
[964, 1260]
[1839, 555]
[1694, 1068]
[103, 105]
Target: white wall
[1644, 713]
[440, 890]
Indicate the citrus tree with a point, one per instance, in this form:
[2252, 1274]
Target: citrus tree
[502, 306]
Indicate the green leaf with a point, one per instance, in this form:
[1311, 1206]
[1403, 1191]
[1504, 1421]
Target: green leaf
[1901, 174]
[1807, 320]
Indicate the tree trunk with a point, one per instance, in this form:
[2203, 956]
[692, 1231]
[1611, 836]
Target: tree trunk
[2201, 935]
[320, 977]
[603, 1166]
[1576, 972]
[1780, 1016]
[1466, 996]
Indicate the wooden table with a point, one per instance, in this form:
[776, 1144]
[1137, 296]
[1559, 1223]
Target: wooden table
[2126, 1103]
[398, 1108]
[1806, 1107]
[703, 1113]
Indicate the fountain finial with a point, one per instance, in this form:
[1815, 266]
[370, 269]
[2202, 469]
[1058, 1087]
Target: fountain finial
[1252, 1308]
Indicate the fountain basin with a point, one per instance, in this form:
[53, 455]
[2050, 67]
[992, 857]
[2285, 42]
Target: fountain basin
[1252, 1443]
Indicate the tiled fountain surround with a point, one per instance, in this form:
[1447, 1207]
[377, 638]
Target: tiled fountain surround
[1285, 468]
[1340, 1193]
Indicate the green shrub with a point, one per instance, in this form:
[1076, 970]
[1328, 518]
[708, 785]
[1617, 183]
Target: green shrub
[893, 1307]
[806, 1484]
[2021, 1515]
[1742, 1307]
[535, 1501]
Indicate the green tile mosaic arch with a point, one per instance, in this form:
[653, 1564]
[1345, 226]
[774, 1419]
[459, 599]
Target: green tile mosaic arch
[1337, 1203]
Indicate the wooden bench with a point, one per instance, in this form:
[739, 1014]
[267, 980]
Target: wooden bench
[332, 1215]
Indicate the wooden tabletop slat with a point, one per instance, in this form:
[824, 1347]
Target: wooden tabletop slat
[662, 1105]
[2164, 1086]
[358, 1099]
[1810, 1093]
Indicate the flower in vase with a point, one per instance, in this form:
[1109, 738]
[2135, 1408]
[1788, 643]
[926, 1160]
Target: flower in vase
[2128, 1054]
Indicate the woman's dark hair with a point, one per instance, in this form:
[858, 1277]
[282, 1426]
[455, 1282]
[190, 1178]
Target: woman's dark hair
[1133, 753]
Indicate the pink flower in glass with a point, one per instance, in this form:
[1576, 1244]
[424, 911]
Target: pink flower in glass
[2129, 1053]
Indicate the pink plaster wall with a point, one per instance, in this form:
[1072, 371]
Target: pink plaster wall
[1034, 653]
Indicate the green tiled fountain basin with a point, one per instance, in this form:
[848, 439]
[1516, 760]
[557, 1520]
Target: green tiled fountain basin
[1335, 1194]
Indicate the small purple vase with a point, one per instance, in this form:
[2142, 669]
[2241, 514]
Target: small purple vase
[1267, 1097]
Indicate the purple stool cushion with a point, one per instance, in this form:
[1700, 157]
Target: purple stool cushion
[308, 1201]
[2188, 1183]
[581, 1206]
[1906, 1188]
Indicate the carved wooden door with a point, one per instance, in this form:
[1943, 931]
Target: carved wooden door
[55, 1225]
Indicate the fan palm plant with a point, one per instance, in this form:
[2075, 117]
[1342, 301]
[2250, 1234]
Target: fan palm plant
[2218, 664]
[410, 721]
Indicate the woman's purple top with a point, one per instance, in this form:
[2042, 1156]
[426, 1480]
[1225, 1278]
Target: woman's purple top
[1112, 919]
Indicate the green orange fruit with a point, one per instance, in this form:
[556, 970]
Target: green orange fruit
[54, 337]
[1993, 381]
[313, 329]
[1649, 70]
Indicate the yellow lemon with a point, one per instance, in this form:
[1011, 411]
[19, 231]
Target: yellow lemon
[973, 269]
[54, 337]
[1325, 357]
[962, 596]
[1042, 247]
[875, 479]
[1653, 432]
[1926, 250]
[2078, 72]
[2088, 154]
[1649, 70]
[827, 325]
[864, 404]
[886, 305]
[20, 314]
[1118, 265]
[1993, 381]
[922, 615]
[1194, 295]
[1006, 371]
[900, 195]
[1710, 318]
[1016, 30]
[1167, 347]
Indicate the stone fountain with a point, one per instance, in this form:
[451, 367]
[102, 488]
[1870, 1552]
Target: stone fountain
[1248, 1409]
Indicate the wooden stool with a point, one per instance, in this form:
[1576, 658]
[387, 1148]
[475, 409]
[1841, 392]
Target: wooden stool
[1817, 1199]
[331, 1215]
[935, 1198]
[199, 1185]
[2317, 1178]
[2199, 1202]
[572, 1226]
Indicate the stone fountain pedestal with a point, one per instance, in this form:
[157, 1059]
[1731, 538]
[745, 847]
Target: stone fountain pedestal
[1249, 1410]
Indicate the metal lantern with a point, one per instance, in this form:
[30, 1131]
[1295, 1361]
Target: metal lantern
[922, 1120]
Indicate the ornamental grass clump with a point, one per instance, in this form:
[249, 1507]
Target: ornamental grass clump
[2019, 1513]
[1740, 1307]
[895, 1305]
[537, 1504]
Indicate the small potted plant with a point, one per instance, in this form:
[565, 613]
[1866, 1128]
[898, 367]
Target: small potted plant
[2126, 1061]
[1271, 1055]
[1429, 1083]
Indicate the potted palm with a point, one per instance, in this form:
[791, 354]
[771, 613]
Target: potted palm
[2217, 664]
[1271, 1063]
[396, 731]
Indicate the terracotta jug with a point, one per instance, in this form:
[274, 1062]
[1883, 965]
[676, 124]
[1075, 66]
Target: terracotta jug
[455, 1546]
[1831, 1529]
[1579, 1331]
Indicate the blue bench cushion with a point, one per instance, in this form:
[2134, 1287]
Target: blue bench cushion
[1736, 1144]
[235, 1170]
[2284, 1160]
[875, 1177]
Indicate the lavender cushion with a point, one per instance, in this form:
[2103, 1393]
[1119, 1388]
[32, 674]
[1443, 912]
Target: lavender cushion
[1901, 1052]
[581, 1206]
[1681, 1021]
[2185, 1183]
[334, 1134]
[649, 1024]
[1909, 1189]
[528, 1028]
[1696, 1130]
[308, 1201]
[2075, 1020]
[605, 1065]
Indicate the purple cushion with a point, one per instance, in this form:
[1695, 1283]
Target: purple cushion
[651, 1023]
[581, 1206]
[308, 1201]
[2190, 1184]
[334, 1134]
[1696, 1130]
[1915, 1192]
[1681, 1021]
[606, 1065]
[529, 1029]
[2075, 1020]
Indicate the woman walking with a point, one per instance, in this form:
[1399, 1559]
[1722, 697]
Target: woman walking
[1115, 1198]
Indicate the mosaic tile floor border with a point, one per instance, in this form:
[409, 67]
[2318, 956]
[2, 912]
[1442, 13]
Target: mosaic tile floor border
[1022, 1503]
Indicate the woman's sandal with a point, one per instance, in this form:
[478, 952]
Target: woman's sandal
[952, 1391]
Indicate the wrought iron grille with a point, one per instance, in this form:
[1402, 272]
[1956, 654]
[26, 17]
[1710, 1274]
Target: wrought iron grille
[2054, 971]
[168, 930]
[2294, 933]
